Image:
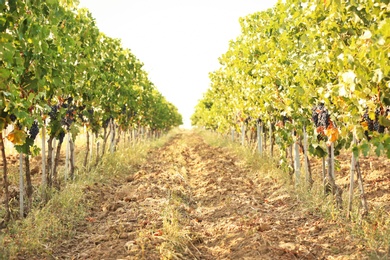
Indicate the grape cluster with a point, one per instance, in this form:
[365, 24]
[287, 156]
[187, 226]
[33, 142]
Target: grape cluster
[320, 116]
[368, 121]
[53, 112]
[34, 130]
[80, 114]
[12, 117]
[374, 125]
[67, 102]
[69, 117]
[378, 127]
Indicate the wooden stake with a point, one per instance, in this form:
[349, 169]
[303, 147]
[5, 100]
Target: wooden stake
[271, 143]
[67, 156]
[242, 133]
[260, 137]
[21, 187]
[43, 148]
[351, 182]
[309, 179]
[297, 162]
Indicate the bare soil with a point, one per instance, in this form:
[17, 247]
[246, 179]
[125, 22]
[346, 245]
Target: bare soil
[224, 211]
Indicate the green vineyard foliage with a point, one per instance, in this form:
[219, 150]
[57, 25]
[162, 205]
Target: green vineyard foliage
[297, 55]
[55, 63]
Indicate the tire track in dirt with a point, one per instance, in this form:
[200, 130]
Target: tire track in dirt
[194, 201]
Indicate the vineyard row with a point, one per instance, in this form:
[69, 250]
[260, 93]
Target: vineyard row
[314, 75]
[59, 74]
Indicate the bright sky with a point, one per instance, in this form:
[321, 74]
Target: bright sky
[178, 41]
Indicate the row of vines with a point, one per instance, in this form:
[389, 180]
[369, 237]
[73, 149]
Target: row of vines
[59, 75]
[313, 75]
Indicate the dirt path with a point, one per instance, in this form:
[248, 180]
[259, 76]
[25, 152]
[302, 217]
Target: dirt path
[194, 201]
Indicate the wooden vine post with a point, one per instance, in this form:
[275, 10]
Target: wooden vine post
[351, 183]
[112, 139]
[71, 159]
[21, 187]
[297, 161]
[242, 133]
[336, 190]
[355, 168]
[309, 179]
[5, 182]
[260, 137]
[67, 152]
[44, 173]
[87, 149]
[53, 156]
[29, 187]
[324, 174]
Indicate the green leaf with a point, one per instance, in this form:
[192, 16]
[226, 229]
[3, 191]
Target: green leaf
[317, 150]
[365, 148]
[4, 73]
[355, 151]
[379, 149]
[384, 121]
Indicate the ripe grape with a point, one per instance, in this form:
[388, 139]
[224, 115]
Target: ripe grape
[374, 125]
[34, 130]
[69, 118]
[54, 112]
[12, 117]
[324, 118]
[314, 117]
[378, 127]
[369, 121]
[320, 116]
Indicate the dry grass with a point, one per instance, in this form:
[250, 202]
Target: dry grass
[373, 232]
[58, 219]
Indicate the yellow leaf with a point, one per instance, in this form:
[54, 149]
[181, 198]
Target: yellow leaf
[17, 137]
[332, 134]
[365, 125]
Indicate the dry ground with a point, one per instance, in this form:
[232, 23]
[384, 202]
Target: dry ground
[195, 201]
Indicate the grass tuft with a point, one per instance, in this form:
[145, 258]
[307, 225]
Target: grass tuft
[46, 226]
[373, 231]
